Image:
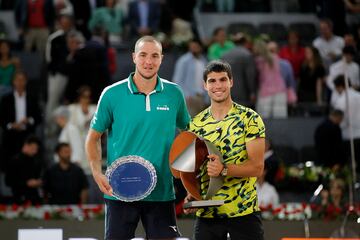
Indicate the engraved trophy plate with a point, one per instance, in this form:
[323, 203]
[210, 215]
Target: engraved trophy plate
[132, 178]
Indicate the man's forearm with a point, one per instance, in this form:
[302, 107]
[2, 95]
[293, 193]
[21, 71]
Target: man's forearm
[247, 169]
[93, 152]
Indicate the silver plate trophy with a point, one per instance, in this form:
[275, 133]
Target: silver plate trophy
[187, 154]
[132, 178]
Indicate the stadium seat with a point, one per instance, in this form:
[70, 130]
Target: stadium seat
[307, 31]
[277, 31]
[247, 28]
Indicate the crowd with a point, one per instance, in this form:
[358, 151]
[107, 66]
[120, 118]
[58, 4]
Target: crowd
[78, 41]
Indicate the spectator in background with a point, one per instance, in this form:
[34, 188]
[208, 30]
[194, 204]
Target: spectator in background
[271, 162]
[80, 115]
[293, 52]
[349, 40]
[188, 74]
[82, 14]
[23, 175]
[68, 133]
[329, 45]
[144, 17]
[329, 142]
[56, 54]
[19, 116]
[88, 65]
[335, 195]
[242, 63]
[312, 77]
[272, 97]
[286, 73]
[334, 10]
[8, 65]
[111, 55]
[74, 120]
[345, 66]
[351, 113]
[65, 182]
[74, 42]
[110, 18]
[181, 32]
[34, 20]
[267, 194]
[63, 7]
[220, 44]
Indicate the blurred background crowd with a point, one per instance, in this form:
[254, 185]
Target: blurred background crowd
[296, 62]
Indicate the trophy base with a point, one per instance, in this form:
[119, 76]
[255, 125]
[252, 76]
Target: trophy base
[204, 203]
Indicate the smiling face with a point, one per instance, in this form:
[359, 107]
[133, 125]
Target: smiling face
[147, 58]
[218, 86]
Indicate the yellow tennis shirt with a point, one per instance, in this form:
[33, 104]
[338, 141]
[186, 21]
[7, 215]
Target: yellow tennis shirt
[230, 136]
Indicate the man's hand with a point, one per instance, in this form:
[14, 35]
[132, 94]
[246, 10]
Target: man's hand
[214, 165]
[187, 199]
[18, 126]
[103, 183]
[33, 183]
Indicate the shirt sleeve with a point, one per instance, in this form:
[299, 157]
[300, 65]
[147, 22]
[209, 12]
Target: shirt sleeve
[254, 127]
[183, 117]
[103, 116]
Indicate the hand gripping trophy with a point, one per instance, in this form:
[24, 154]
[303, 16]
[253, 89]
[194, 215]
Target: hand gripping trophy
[188, 155]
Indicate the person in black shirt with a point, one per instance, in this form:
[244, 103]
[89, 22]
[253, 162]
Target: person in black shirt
[328, 141]
[65, 182]
[23, 175]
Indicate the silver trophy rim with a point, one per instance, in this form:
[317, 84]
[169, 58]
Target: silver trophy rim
[135, 159]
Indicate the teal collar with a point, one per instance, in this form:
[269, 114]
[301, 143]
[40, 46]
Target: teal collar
[134, 90]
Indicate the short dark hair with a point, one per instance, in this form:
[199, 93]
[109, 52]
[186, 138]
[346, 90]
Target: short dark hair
[339, 81]
[20, 72]
[217, 66]
[32, 139]
[349, 50]
[83, 89]
[196, 40]
[337, 113]
[217, 30]
[327, 21]
[61, 145]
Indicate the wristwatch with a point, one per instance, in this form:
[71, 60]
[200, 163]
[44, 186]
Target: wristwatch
[224, 172]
